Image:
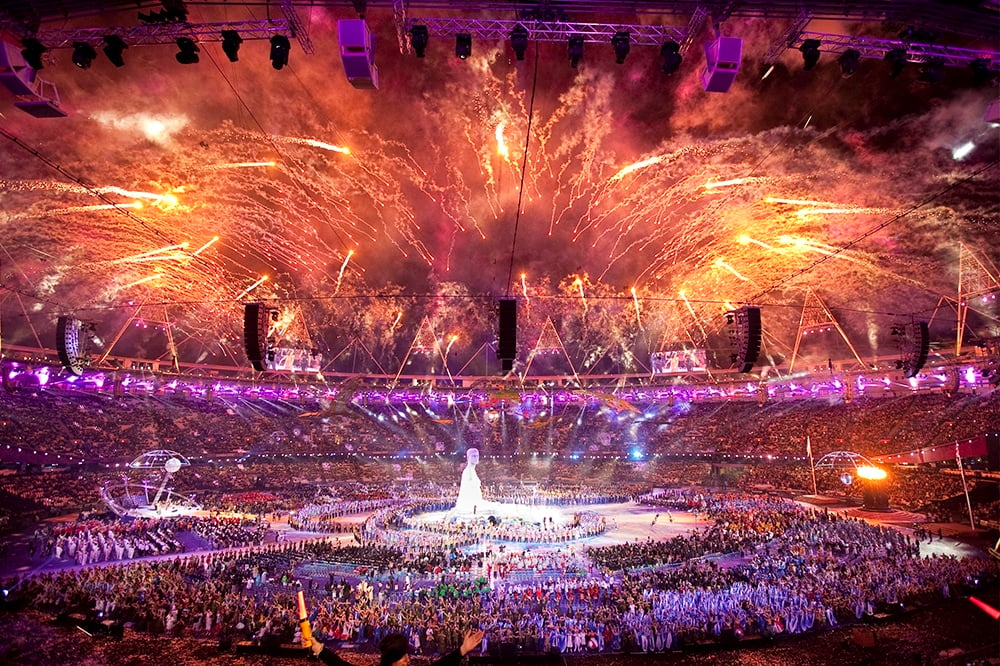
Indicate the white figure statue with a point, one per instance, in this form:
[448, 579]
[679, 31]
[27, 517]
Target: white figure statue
[470, 492]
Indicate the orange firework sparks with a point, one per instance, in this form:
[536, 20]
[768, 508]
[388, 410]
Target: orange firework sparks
[635, 302]
[425, 198]
[153, 255]
[578, 283]
[85, 209]
[317, 144]
[805, 212]
[502, 149]
[260, 281]
[636, 166]
[204, 247]
[722, 264]
[241, 165]
[343, 266]
[797, 202]
[150, 278]
[712, 185]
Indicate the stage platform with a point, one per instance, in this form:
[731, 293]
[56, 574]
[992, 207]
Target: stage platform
[821, 500]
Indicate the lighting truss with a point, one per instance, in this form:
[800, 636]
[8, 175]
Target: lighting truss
[874, 47]
[150, 34]
[298, 29]
[548, 31]
[787, 38]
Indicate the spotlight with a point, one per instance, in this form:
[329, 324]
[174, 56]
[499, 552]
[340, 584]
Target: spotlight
[519, 40]
[463, 45]
[33, 50]
[113, 48]
[575, 50]
[850, 62]
[419, 38]
[932, 71]
[279, 51]
[83, 54]
[670, 52]
[620, 43]
[188, 54]
[810, 53]
[897, 61]
[231, 41]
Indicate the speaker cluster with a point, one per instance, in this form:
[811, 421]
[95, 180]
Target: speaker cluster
[255, 327]
[507, 333]
[745, 332]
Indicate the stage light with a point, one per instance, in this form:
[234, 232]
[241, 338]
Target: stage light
[810, 53]
[188, 54]
[114, 46]
[83, 54]
[231, 41]
[672, 58]
[419, 38]
[33, 50]
[849, 61]
[575, 50]
[280, 46]
[932, 71]
[519, 40]
[897, 59]
[463, 45]
[621, 44]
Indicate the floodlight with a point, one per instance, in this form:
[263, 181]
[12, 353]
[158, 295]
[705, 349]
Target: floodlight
[519, 40]
[981, 73]
[575, 50]
[32, 52]
[850, 62]
[463, 45]
[83, 54]
[810, 53]
[280, 46]
[231, 41]
[897, 59]
[672, 58]
[621, 45]
[188, 54]
[419, 38]
[114, 46]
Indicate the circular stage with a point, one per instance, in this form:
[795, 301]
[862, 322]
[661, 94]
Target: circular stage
[520, 523]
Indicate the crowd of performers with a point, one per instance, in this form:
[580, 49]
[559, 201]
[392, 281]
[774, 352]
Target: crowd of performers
[761, 567]
[92, 540]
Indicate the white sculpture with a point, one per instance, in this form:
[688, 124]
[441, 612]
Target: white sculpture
[470, 492]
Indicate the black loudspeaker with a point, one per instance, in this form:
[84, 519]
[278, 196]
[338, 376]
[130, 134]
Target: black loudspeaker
[507, 334]
[921, 347]
[255, 334]
[993, 451]
[62, 327]
[748, 336]
[71, 344]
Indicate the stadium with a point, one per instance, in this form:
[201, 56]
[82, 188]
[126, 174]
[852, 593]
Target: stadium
[590, 332]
